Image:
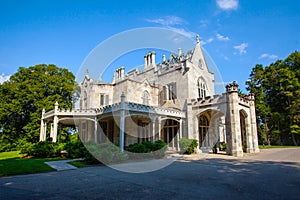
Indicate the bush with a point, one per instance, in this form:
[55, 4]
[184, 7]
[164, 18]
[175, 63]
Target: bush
[106, 152]
[43, 149]
[188, 145]
[5, 146]
[147, 150]
[76, 149]
[222, 146]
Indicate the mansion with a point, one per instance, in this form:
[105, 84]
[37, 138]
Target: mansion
[163, 101]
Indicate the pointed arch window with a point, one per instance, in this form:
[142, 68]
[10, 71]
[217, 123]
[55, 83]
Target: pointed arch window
[146, 97]
[202, 88]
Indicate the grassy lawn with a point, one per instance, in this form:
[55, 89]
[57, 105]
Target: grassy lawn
[276, 146]
[12, 163]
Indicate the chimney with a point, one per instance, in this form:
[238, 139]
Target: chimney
[164, 58]
[122, 72]
[179, 51]
[153, 58]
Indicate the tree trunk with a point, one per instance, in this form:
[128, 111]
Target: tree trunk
[267, 134]
[294, 139]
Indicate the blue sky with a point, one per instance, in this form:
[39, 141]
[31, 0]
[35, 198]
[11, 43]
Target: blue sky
[236, 34]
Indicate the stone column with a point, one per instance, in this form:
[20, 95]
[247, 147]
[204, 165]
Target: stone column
[249, 135]
[234, 140]
[55, 122]
[159, 128]
[95, 130]
[253, 124]
[153, 119]
[42, 128]
[122, 121]
[179, 135]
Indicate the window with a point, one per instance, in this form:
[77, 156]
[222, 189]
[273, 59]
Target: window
[172, 91]
[101, 99]
[201, 88]
[145, 98]
[85, 99]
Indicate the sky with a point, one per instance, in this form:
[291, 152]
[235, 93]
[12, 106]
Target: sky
[236, 34]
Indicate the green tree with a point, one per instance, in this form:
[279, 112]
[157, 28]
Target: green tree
[26, 93]
[277, 91]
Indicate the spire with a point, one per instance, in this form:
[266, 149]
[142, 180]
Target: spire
[198, 38]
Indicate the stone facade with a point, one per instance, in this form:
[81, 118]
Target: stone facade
[165, 101]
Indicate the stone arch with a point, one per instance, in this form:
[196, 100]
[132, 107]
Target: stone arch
[245, 131]
[208, 128]
[170, 131]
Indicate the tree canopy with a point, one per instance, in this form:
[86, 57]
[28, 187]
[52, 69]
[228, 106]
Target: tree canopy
[26, 94]
[277, 91]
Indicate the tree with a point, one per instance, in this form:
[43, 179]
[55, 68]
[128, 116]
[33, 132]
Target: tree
[26, 94]
[277, 91]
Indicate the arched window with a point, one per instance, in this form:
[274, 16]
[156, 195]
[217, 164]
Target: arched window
[85, 100]
[145, 97]
[203, 131]
[201, 88]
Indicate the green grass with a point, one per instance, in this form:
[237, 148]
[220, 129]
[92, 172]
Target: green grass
[12, 163]
[276, 146]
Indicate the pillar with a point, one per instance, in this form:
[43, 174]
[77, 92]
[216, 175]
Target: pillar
[253, 124]
[42, 127]
[153, 119]
[234, 140]
[95, 130]
[159, 128]
[122, 121]
[55, 122]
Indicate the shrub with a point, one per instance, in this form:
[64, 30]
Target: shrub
[188, 145]
[76, 149]
[222, 146]
[138, 148]
[106, 152]
[147, 150]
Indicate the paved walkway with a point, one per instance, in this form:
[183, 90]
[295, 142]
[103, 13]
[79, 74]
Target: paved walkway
[271, 174]
[61, 165]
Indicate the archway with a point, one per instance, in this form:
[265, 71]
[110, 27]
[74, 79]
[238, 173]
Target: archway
[203, 131]
[243, 117]
[170, 129]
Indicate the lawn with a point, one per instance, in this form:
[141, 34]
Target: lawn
[12, 163]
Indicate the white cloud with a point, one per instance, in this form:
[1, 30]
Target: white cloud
[204, 23]
[4, 78]
[168, 21]
[222, 37]
[266, 55]
[241, 48]
[228, 4]
[209, 40]
[184, 32]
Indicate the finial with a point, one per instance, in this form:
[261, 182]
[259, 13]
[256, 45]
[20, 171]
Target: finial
[100, 78]
[198, 38]
[87, 72]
